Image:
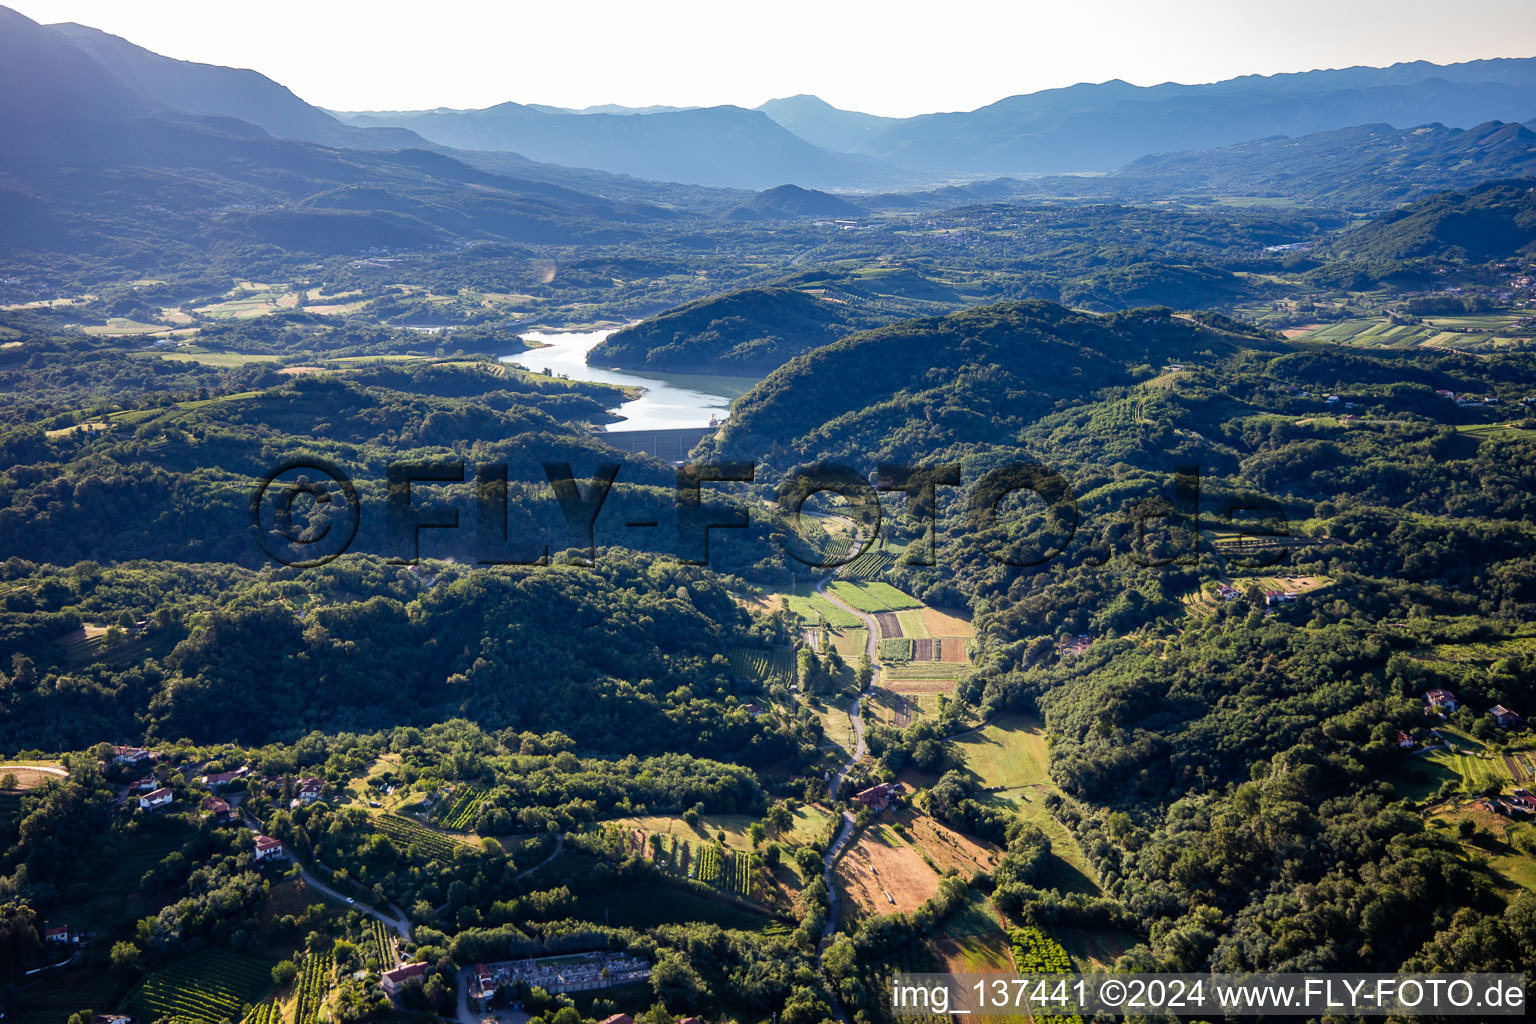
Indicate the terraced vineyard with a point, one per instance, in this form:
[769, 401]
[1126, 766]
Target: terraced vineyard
[754, 664]
[461, 816]
[210, 986]
[403, 832]
[729, 870]
[379, 944]
[314, 985]
[265, 1013]
[871, 565]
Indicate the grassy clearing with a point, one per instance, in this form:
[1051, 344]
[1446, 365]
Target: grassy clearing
[1010, 757]
[974, 940]
[1507, 848]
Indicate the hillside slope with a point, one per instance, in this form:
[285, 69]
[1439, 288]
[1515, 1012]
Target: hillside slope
[1493, 221]
[914, 388]
[743, 332]
[226, 92]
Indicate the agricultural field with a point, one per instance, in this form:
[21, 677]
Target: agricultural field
[894, 648]
[459, 815]
[899, 710]
[28, 776]
[871, 597]
[61, 993]
[403, 832]
[689, 855]
[763, 666]
[312, 987]
[881, 874]
[208, 987]
[813, 608]
[929, 677]
[1488, 651]
[847, 641]
[710, 826]
[381, 944]
[651, 906]
[265, 1013]
[944, 848]
[871, 565]
[1472, 333]
[836, 727]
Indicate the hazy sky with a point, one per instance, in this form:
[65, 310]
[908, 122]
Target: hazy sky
[887, 57]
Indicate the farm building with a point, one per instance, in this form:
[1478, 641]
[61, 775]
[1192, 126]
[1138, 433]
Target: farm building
[156, 800]
[1227, 593]
[1521, 801]
[1278, 597]
[59, 934]
[618, 1018]
[268, 848]
[147, 784]
[130, 755]
[876, 798]
[391, 981]
[1404, 741]
[1503, 717]
[1441, 701]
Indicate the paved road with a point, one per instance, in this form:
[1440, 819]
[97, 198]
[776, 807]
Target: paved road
[845, 831]
[559, 845]
[395, 919]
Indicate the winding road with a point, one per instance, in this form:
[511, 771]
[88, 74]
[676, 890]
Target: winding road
[845, 832]
[395, 920]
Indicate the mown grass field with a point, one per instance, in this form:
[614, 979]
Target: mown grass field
[812, 608]
[872, 596]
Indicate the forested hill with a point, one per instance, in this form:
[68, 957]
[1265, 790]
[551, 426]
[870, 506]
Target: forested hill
[752, 330]
[1368, 166]
[971, 377]
[1490, 222]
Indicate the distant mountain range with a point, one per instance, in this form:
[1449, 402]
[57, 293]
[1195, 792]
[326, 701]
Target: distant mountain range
[1082, 128]
[723, 146]
[92, 164]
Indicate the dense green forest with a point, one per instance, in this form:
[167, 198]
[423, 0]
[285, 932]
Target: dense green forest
[1170, 603]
